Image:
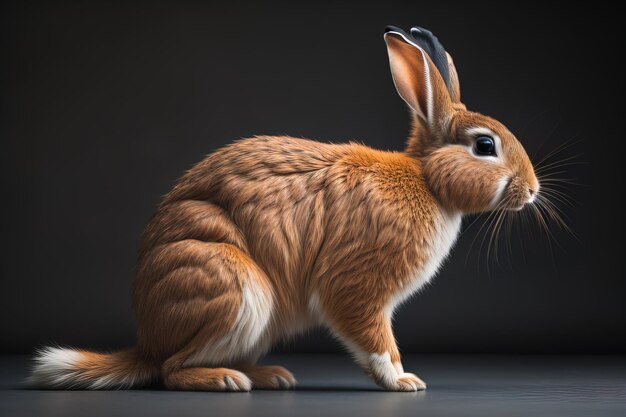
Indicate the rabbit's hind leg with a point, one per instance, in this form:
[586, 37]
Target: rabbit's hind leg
[208, 379]
[235, 323]
[268, 377]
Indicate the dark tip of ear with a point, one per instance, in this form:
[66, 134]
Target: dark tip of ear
[392, 29]
[416, 31]
[429, 42]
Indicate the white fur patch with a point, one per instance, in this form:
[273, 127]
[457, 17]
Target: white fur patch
[58, 368]
[382, 369]
[246, 334]
[445, 235]
[497, 196]
[55, 368]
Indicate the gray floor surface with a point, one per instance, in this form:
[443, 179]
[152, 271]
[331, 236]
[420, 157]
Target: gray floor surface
[473, 385]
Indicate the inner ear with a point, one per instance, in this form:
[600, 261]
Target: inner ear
[417, 80]
[410, 73]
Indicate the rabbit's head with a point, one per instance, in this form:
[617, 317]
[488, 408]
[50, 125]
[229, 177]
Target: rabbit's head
[471, 162]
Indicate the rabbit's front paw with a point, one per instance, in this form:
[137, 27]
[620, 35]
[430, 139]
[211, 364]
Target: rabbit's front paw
[391, 376]
[408, 382]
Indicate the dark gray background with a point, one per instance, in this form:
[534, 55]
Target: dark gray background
[104, 106]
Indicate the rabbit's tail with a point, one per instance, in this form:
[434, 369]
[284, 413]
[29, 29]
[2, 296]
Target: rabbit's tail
[64, 368]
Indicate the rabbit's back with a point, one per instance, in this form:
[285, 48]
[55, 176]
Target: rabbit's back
[304, 207]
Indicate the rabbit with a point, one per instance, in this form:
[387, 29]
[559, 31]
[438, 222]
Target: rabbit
[270, 236]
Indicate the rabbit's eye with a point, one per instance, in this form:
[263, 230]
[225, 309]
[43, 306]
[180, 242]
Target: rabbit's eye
[485, 145]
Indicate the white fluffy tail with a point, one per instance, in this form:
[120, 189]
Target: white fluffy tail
[63, 368]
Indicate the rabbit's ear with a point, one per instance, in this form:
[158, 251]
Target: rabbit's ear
[454, 87]
[417, 79]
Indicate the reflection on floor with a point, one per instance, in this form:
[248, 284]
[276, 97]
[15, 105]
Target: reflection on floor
[477, 386]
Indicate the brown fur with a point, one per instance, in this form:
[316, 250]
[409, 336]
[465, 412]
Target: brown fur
[319, 233]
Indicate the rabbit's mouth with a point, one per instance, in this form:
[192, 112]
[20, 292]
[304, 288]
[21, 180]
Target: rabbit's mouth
[518, 194]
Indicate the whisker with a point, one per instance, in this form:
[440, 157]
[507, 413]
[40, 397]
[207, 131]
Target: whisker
[506, 231]
[567, 158]
[561, 148]
[561, 163]
[498, 233]
[523, 215]
[544, 200]
[493, 226]
[485, 223]
[559, 196]
[488, 223]
[491, 234]
[558, 181]
[551, 174]
[548, 172]
[556, 212]
[540, 208]
[478, 217]
[542, 223]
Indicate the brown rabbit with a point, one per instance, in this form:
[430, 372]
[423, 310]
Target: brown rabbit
[270, 236]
